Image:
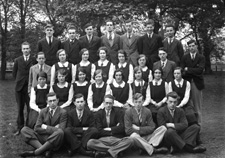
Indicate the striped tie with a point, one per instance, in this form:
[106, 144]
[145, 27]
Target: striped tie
[139, 116]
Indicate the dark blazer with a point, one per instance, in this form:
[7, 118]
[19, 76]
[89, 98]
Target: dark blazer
[195, 69]
[179, 119]
[34, 70]
[50, 51]
[21, 71]
[147, 126]
[150, 47]
[167, 70]
[112, 49]
[72, 50]
[174, 50]
[59, 118]
[116, 123]
[130, 48]
[87, 120]
[92, 47]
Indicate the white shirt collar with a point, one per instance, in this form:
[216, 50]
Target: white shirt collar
[181, 82]
[150, 34]
[47, 38]
[158, 82]
[120, 65]
[78, 112]
[65, 64]
[131, 35]
[105, 62]
[164, 62]
[170, 39]
[137, 83]
[193, 54]
[84, 63]
[65, 85]
[89, 37]
[39, 87]
[144, 68]
[53, 110]
[115, 84]
[81, 84]
[112, 33]
[99, 86]
[26, 57]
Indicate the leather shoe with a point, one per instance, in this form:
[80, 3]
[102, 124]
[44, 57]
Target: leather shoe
[86, 152]
[48, 154]
[17, 133]
[162, 150]
[99, 154]
[27, 153]
[199, 149]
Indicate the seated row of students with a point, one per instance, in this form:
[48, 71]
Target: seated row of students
[114, 131]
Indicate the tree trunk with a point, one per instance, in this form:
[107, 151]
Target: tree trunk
[3, 60]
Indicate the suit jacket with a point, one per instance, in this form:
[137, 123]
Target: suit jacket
[174, 50]
[195, 69]
[179, 119]
[116, 123]
[112, 49]
[34, 70]
[72, 49]
[130, 48]
[59, 118]
[21, 71]
[167, 70]
[147, 126]
[92, 47]
[150, 47]
[50, 51]
[87, 120]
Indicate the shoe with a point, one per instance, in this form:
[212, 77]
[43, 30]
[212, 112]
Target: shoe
[86, 152]
[162, 150]
[199, 149]
[172, 150]
[99, 154]
[17, 133]
[70, 153]
[48, 154]
[27, 153]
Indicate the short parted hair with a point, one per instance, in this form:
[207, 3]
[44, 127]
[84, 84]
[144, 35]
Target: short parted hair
[162, 49]
[87, 25]
[51, 94]
[77, 96]
[80, 69]
[118, 70]
[141, 56]
[71, 27]
[157, 68]
[102, 48]
[48, 26]
[173, 95]
[136, 96]
[82, 51]
[61, 72]
[178, 68]
[121, 51]
[170, 25]
[191, 41]
[42, 74]
[25, 43]
[136, 69]
[60, 51]
[149, 22]
[98, 71]
[109, 20]
[40, 53]
[110, 96]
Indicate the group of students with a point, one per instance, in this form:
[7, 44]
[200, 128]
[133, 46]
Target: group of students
[140, 67]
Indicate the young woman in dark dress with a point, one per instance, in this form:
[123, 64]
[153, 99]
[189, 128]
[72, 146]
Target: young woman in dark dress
[107, 67]
[128, 70]
[38, 98]
[158, 91]
[63, 90]
[121, 90]
[146, 72]
[62, 64]
[87, 65]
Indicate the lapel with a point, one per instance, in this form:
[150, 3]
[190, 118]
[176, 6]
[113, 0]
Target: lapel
[133, 38]
[84, 117]
[112, 117]
[55, 116]
[170, 118]
[173, 44]
[126, 40]
[36, 68]
[104, 122]
[46, 42]
[105, 40]
[147, 40]
[136, 117]
[166, 68]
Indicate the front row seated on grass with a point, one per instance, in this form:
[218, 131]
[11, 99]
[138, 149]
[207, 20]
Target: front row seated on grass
[113, 130]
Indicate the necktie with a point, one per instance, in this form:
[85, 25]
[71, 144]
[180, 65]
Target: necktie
[41, 68]
[89, 39]
[163, 64]
[108, 117]
[170, 40]
[50, 41]
[139, 116]
[51, 113]
[79, 116]
[110, 36]
[156, 83]
[129, 36]
[172, 112]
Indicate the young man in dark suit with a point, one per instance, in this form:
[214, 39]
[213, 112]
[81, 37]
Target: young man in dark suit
[48, 131]
[149, 44]
[193, 64]
[178, 135]
[173, 47]
[90, 42]
[167, 66]
[111, 41]
[80, 127]
[72, 46]
[128, 42]
[111, 131]
[34, 71]
[49, 45]
[21, 74]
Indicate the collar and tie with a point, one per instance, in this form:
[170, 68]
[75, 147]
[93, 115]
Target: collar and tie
[26, 58]
[172, 113]
[51, 111]
[139, 115]
[110, 35]
[41, 68]
[108, 117]
[163, 64]
[80, 116]
[50, 41]
[192, 57]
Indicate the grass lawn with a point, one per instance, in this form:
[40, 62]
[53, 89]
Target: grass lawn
[213, 126]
